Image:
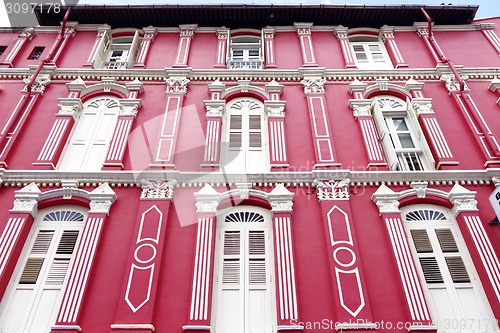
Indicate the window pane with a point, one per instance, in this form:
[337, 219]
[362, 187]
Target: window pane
[358, 48]
[254, 140]
[374, 48]
[234, 140]
[235, 122]
[378, 57]
[400, 124]
[253, 53]
[405, 140]
[238, 53]
[254, 122]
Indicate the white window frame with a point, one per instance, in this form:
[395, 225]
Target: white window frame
[247, 60]
[129, 48]
[33, 312]
[364, 45]
[385, 110]
[244, 228]
[456, 318]
[249, 159]
[101, 106]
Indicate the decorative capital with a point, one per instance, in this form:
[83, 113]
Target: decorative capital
[313, 85]
[71, 28]
[386, 200]
[413, 84]
[361, 107]
[129, 107]
[341, 32]
[103, 30]
[216, 86]
[157, 190]
[422, 106]
[26, 200]
[135, 85]
[76, 85]
[332, 190]
[150, 32]
[452, 84]
[207, 199]
[274, 87]
[101, 199]
[387, 32]
[41, 82]
[222, 33]
[356, 85]
[421, 28]
[494, 84]
[71, 107]
[496, 180]
[281, 199]
[269, 32]
[303, 28]
[187, 29]
[28, 33]
[215, 108]
[177, 85]
[275, 109]
[463, 200]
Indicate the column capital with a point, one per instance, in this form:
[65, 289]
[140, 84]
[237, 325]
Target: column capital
[28, 33]
[332, 189]
[158, 190]
[356, 86]
[187, 29]
[177, 85]
[386, 200]
[101, 199]
[269, 32]
[129, 107]
[26, 200]
[413, 84]
[422, 106]
[215, 108]
[275, 109]
[452, 84]
[361, 107]
[340, 31]
[70, 107]
[421, 28]
[281, 199]
[207, 199]
[39, 85]
[463, 200]
[303, 28]
[222, 33]
[150, 32]
[313, 84]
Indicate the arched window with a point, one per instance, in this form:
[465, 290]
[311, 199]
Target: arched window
[403, 141]
[243, 293]
[453, 291]
[245, 137]
[369, 52]
[89, 141]
[245, 53]
[32, 299]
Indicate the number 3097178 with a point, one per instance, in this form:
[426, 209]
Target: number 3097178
[30, 7]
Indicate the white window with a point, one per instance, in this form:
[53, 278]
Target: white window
[404, 144]
[118, 52]
[369, 52]
[245, 53]
[453, 291]
[89, 141]
[245, 146]
[244, 295]
[32, 299]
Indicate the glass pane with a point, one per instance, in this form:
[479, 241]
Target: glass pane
[378, 57]
[254, 140]
[254, 122]
[235, 122]
[400, 124]
[405, 140]
[234, 140]
[358, 48]
[374, 48]
[237, 53]
[253, 53]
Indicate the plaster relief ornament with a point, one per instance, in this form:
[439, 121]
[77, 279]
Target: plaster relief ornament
[452, 83]
[158, 189]
[177, 85]
[332, 190]
[313, 85]
[41, 82]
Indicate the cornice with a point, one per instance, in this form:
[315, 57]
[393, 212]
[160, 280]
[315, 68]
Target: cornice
[49, 178]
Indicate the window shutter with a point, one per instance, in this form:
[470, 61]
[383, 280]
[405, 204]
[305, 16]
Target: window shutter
[385, 138]
[67, 242]
[431, 270]
[31, 270]
[232, 243]
[42, 242]
[57, 272]
[231, 271]
[134, 49]
[257, 243]
[257, 271]
[100, 54]
[446, 240]
[421, 240]
[457, 269]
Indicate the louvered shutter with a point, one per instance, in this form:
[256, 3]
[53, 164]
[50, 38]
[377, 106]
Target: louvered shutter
[431, 271]
[385, 137]
[446, 240]
[231, 269]
[421, 240]
[426, 155]
[134, 49]
[457, 269]
[102, 48]
[257, 259]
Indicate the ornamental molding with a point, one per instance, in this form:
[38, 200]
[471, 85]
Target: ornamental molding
[157, 190]
[413, 84]
[106, 85]
[361, 107]
[129, 107]
[386, 200]
[26, 200]
[69, 186]
[207, 199]
[422, 106]
[39, 85]
[215, 108]
[303, 28]
[496, 181]
[387, 32]
[275, 109]
[274, 87]
[177, 85]
[420, 188]
[357, 85]
[341, 32]
[281, 199]
[222, 33]
[216, 86]
[332, 189]
[101, 199]
[463, 200]
[150, 32]
[28, 33]
[452, 84]
[313, 85]
[269, 32]
[70, 107]
[494, 84]
[187, 29]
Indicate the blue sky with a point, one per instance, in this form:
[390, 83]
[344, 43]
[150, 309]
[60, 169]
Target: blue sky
[487, 8]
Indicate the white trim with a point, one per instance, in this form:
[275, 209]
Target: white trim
[133, 326]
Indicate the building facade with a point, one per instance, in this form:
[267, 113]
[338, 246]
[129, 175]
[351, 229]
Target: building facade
[250, 169]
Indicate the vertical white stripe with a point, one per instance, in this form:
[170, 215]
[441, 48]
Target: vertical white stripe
[57, 139]
[292, 271]
[9, 237]
[368, 141]
[50, 140]
[278, 262]
[288, 272]
[195, 275]
[123, 140]
[200, 271]
[14, 51]
[13, 113]
[284, 269]
[207, 273]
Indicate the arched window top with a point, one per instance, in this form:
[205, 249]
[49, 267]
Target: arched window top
[98, 102]
[363, 38]
[244, 217]
[64, 216]
[246, 105]
[425, 215]
[390, 103]
[246, 39]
